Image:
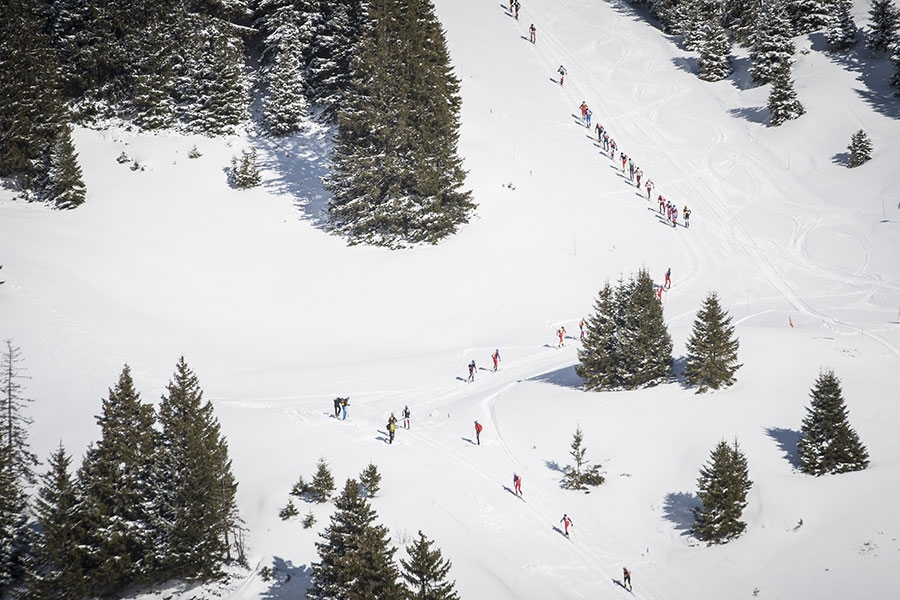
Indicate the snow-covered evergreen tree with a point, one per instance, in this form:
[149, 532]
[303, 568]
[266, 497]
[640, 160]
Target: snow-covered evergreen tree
[783, 103]
[15, 534]
[599, 348]
[841, 30]
[895, 78]
[284, 104]
[116, 491]
[195, 502]
[810, 15]
[396, 175]
[63, 185]
[322, 485]
[244, 171]
[370, 479]
[773, 49]
[336, 27]
[714, 47]
[740, 18]
[693, 16]
[58, 574]
[426, 571]
[723, 486]
[644, 343]
[581, 474]
[827, 442]
[14, 423]
[884, 26]
[711, 348]
[860, 149]
[355, 556]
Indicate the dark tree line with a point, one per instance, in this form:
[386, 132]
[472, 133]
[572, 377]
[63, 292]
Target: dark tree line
[153, 499]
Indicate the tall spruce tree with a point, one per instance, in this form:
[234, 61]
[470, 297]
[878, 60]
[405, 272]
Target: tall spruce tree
[284, 105]
[827, 442]
[31, 109]
[58, 574]
[117, 489]
[332, 38]
[597, 355]
[355, 559]
[64, 186]
[740, 18]
[809, 15]
[712, 348]
[14, 423]
[644, 343]
[395, 173]
[196, 504]
[783, 103]
[723, 486]
[693, 16]
[16, 540]
[425, 572]
[894, 81]
[841, 30]
[772, 48]
[884, 27]
[714, 47]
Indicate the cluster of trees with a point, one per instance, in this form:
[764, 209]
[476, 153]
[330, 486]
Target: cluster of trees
[356, 558]
[627, 344]
[827, 445]
[378, 70]
[153, 499]
[710, 27]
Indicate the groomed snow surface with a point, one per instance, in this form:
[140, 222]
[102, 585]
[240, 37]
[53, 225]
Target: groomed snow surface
[277, 318]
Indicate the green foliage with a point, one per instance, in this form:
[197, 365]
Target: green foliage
[773, 48]
[57, 574]
[370, 479]
[860, 149]
[714, 47]
[196, 504]
[395, 172]
[116, 481]
[827, 443]
[841, 30]
[322, 485]
[355, 557]
[712, 348]
[64, 186]
[425, 572]
[288, 512]
[626, 342]
[301, 489]
[581, 475]
[309, 520]
[884, 28]
[723, 486]
[783, 103]
[245, 171]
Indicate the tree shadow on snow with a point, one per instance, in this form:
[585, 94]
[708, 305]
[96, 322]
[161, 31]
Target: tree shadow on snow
[841, 158]
[678, 366]
[677, 508]
[787, 440]
[288, 581]
[299, 162]
[754, 114]
[688, 64]
[565, 377]
[553, 466]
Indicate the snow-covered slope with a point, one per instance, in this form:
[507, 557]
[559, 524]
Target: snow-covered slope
[277, 318]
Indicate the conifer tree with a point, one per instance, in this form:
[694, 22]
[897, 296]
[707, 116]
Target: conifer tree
[322, 485]
[860, 149]
[723, 486]
[772, 48]
[714, 48]
[356, 561]
[693, 16]
[30, 100]
[116, 492]
[597, 355]
[244, 171]
[644, 343]
[740, 17]
[582, 474]
[895, 78]
[827, 442]
[14, 422]
[196, 504]
[425, 572]
[712, 348]
[58, 575]
[841, 30]
[284, 105]
[884, 28]
[370, 479]
[16, 540]
[395, 173]
[809, 15]
[783, 103]
[332, 40]
[64, 186]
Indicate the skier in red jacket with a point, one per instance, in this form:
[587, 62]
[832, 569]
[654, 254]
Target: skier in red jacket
[478, 429]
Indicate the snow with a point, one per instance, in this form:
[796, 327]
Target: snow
[277, 318]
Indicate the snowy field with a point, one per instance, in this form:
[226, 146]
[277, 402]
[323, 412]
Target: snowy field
[277, 318]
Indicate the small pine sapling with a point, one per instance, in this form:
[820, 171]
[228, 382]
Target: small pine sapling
[244, 172]
[309, 520]
[301, 488]
[860, 149]
[194, 152]
[370, 479]
[288, 512]
[322, 485]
